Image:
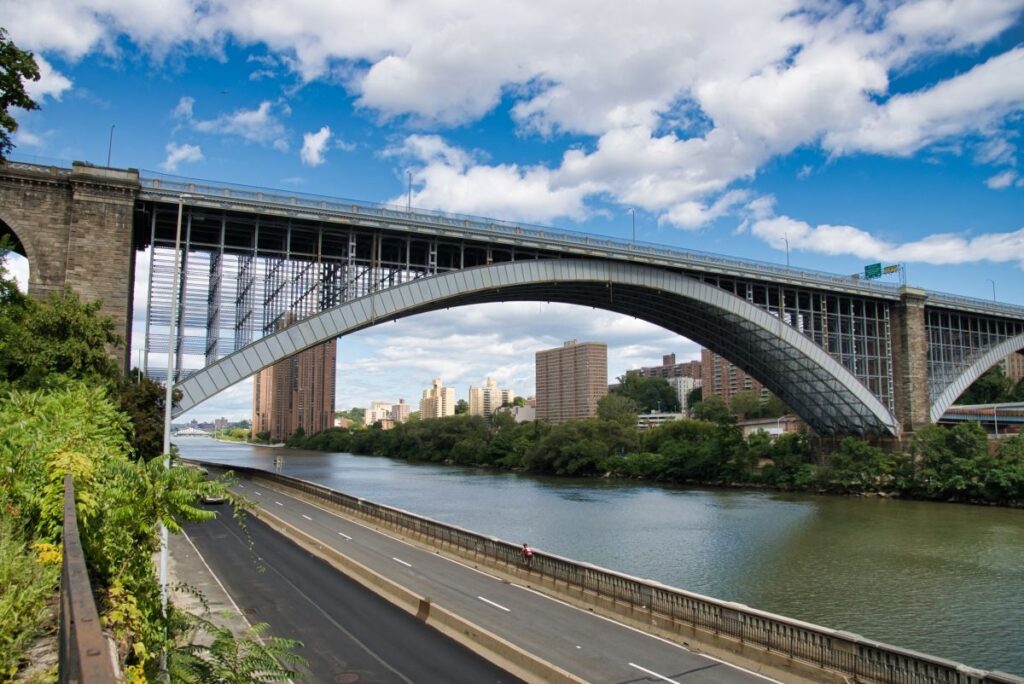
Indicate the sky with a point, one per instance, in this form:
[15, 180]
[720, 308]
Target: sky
[831, 134]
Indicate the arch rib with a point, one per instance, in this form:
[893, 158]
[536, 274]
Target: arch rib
[499, 282]
[972, 373]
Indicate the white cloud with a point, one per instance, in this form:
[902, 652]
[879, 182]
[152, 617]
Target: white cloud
[313, 146]
[970, 102]
[26, 138]
[944, 248]
[177, 154]
[51, 83]
[258, 125]
[1002, 180]
[692, 215]
[674, 102]
[183, 110]
[997, 150]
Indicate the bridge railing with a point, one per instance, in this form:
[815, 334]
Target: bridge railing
[84, 656]
[849, 654]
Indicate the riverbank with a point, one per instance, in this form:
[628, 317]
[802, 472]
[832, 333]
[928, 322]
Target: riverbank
[943, 464]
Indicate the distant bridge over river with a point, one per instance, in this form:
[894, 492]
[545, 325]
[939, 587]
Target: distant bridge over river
[849, 356]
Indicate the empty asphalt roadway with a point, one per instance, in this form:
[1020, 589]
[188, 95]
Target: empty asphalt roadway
[350, 635]
[591, 647]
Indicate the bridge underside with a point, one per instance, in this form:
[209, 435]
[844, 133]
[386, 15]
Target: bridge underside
[813, 384]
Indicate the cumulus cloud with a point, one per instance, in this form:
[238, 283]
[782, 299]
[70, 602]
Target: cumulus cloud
[178, 154]
[51, 83]
[260, 125]
[944, 248]
[675, 102]
[313, 146]
[970, 102]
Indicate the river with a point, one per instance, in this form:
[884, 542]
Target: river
[945, 579]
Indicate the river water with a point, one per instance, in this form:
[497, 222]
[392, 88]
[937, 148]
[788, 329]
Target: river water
[944, 579]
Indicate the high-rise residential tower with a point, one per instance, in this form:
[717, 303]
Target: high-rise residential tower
[571, 379]
[724, 379]
[438, 401]
[484, 400]
[297, 392]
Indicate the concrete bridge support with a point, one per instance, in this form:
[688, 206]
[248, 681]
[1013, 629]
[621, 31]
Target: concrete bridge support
[75, 228]
[910, 360]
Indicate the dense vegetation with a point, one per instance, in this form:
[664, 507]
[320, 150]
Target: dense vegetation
[65, 408]
[993, 387]
[945, 464]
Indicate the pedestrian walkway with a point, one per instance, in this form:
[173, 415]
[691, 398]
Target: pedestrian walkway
[186, 566]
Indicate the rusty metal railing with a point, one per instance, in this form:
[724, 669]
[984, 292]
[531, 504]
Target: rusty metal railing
[84, 656]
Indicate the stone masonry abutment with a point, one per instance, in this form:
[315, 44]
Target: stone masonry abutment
[75, 228]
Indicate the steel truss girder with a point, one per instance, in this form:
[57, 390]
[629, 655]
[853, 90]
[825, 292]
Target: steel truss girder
[824, 392]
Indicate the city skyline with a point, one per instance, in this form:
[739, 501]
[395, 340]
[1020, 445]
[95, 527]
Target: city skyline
[826, 136]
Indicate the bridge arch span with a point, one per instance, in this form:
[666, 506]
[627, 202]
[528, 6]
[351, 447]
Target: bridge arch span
[811, 382]
[990, 358]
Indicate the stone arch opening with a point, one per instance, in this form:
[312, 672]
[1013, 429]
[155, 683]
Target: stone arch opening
[803, 375]
[17, 260]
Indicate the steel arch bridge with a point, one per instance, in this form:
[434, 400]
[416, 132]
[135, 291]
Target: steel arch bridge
[814, 384]
[850, 356]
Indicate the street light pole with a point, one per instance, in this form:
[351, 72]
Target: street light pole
[632, 211]
[408, 203]
[993, 288]
[786, 238]
[168, 399]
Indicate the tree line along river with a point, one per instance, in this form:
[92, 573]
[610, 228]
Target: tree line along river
[945, 579]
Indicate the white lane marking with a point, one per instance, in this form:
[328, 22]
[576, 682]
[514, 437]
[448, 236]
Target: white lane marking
[496, 605]
[345, 536]
[241, 486]
[307, 517]
[663, 640]
[279, 503]
[259, 493]
[399, 560]
[653, 674]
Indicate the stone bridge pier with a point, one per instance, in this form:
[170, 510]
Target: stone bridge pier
[75, 227]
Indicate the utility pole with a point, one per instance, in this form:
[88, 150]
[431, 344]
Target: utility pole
[110, 144]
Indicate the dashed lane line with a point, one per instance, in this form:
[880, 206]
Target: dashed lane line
[399, 560]
[654, 674]
[496, 605]
[345, 536]
[307, 517]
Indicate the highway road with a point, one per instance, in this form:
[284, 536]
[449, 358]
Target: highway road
[350, 635]
[591, 647]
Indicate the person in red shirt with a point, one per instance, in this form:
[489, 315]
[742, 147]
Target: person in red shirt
[527, 555]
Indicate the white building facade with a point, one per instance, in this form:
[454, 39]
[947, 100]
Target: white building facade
[483, 401]
[438, 401]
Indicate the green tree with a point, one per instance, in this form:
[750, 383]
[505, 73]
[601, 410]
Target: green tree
[61, 337]
[461, 406]
[746, 404]
[713, 409]
[143, 401]
[255, 657]
[694, 397]
[649, 393]
[16, 67]
[618, 408]
[993, 386]
[518, 401]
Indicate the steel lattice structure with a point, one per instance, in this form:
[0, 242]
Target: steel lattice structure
[252, 256]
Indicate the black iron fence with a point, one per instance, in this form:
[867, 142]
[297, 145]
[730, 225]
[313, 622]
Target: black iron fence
[84, 656]
[858, 658]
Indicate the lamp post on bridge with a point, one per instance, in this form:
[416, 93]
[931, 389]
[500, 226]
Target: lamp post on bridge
[168, 399]
[989, 280]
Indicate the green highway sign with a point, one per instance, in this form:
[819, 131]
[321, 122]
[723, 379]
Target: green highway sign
[873, 271]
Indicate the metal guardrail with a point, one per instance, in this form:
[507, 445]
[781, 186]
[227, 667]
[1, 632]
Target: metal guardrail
[858, 658]
[84, 655]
